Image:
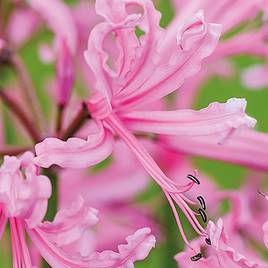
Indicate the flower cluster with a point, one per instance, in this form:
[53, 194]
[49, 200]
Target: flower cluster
[119, 120]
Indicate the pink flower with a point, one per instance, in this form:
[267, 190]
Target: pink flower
[141, 74]
[59, 19]
[221, 254]
[65, 241]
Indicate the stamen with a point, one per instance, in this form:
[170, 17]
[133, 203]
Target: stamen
[190, 215]
[188, 200]
[202, 214]
[193, 178]
[182, 189]
[178, 220]
[208, 241]
[196, 257]
[202, 202]
[262, 194]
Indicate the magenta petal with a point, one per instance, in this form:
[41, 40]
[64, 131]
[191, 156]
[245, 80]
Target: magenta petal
[217, 118]
[75, 152]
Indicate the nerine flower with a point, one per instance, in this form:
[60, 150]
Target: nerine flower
[65, 241]
[145, 70]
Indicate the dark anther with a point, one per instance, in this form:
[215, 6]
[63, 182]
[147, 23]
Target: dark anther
[202, 202]
[208, 241]
[5, 55]
[196, 257]
[203, 215]
[193, 178]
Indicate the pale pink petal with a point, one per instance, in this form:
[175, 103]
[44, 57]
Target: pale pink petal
[75, 152]
[21, 25]
[217, 118]
[242, 44]
[256, 77]
[137, 54]
[226, 253]
[123, 220]
[97, 57]
[238, 149]
[137, 248]
[46, 53]
[200, 39]
[59, 19]
[229, 13]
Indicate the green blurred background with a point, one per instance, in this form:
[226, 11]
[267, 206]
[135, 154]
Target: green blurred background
[216, 89]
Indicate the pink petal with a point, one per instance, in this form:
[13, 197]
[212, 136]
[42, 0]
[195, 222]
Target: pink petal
[167, 76]
[65, 74]
[21, 25]
[122, 181]
[137, 248]
[217, 118]
[229, 13]
[69, 226]
[59, 18]
[3, 221]
[220, 243]
[75, 152]
[23, 195]
[256, 77]
[238, 149]
[241, 44]
[265, 230]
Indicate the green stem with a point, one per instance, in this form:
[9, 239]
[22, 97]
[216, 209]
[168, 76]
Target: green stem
[53, 201]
